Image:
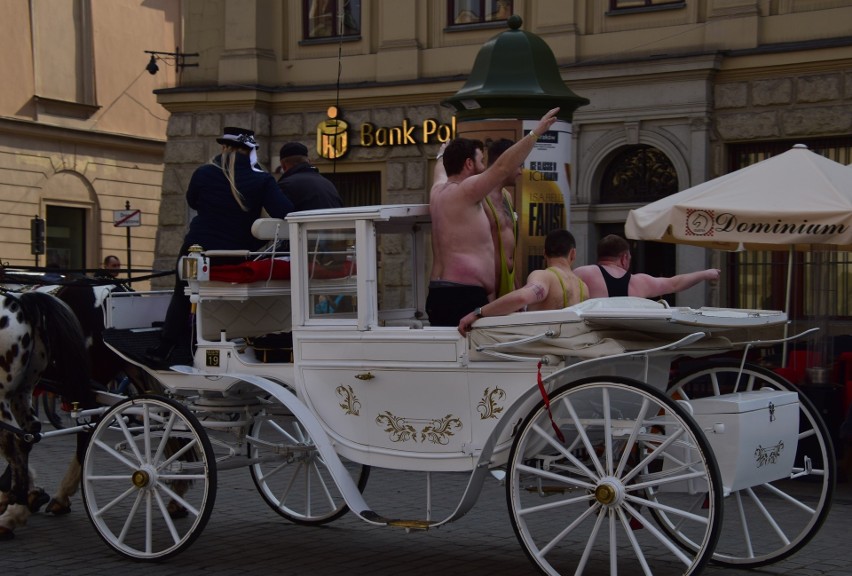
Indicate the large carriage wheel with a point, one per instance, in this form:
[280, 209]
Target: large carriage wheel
[290, 473]
[583, 504]
[149, 460]
[769, 522]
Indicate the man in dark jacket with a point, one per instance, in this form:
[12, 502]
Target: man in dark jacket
[302, 183]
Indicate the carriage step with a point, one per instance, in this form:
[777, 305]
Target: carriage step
[411, 524]
[408, 525]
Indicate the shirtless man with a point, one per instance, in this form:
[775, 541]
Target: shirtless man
[550, 289]
[504, 222]
[463, 252]
[501, 215]
[611, 276]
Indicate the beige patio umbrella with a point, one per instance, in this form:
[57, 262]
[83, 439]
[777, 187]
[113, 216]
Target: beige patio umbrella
[797, 198]
[789, 202]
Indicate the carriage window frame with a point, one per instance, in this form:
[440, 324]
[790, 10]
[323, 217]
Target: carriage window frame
[332, 300]
[336, 12]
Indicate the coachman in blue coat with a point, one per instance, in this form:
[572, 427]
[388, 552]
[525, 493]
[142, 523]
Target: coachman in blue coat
[227, 194]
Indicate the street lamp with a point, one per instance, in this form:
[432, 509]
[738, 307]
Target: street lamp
[178, 56]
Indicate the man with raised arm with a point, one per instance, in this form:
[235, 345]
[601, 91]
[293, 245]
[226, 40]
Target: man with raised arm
[611, 275]
[501, 214]
[463, 252]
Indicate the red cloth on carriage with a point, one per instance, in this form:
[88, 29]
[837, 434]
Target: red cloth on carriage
[275, 269]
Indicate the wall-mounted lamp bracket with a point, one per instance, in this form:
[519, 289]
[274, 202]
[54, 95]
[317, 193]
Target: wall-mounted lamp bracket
[178, 56]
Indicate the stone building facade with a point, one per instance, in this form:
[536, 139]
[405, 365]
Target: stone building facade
[678, 84]
[81, 133]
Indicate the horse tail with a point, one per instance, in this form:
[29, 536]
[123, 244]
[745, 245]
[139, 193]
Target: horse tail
[63, 338]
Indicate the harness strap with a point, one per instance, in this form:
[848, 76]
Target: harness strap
[27, 437]
[547, 405]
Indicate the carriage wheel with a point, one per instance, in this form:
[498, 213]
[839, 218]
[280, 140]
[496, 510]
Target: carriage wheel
[290, 473]
[769, 522]
[51, 404]
[149, 460]
[582, 504]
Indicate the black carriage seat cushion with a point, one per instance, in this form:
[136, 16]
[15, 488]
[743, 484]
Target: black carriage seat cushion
[275, 269]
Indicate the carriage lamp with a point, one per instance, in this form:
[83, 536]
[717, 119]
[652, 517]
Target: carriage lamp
[189, 268]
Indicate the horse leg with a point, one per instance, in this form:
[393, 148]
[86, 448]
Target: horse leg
[17, 511]
[36, 498]
[61, 502]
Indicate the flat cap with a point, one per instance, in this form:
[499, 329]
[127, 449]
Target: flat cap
[293, 149]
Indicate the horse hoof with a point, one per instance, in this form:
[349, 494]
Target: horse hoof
[176, 511]
[36, 499]
[6, 534]
[57, 509]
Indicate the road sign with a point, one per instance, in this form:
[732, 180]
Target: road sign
[126, 218]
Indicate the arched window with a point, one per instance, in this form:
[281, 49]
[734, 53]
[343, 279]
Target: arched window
[639, 173]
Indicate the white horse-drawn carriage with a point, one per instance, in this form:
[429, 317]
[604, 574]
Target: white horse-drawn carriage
[313, 366]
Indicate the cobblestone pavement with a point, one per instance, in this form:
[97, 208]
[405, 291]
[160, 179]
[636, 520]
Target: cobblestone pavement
[245, 537]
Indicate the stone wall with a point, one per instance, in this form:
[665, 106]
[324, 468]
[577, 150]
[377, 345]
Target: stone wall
[803, 105]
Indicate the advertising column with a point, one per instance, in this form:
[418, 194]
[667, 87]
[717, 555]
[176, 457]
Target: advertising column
[544, 194]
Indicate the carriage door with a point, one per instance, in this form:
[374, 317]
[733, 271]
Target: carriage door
[66, 237]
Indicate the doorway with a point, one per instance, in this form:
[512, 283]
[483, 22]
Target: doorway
[66, 238]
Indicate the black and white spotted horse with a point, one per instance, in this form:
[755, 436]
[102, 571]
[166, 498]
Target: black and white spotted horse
[86, 298]
[39, 334]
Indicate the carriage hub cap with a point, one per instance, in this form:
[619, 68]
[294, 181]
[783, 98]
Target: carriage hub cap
[609, 492]
[143, 477]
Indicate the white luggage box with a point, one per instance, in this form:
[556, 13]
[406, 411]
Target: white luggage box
[754, 435]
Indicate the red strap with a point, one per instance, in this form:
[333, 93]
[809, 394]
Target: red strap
[547, 405]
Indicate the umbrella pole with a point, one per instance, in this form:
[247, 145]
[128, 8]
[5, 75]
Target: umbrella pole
[787, 304]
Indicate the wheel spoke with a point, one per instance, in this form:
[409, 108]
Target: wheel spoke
[545, 434]
[581, 431]
[118, 455]
[634, 543]
[767, 516]
[744, 531]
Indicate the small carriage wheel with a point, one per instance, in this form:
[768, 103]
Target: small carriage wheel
[581, 504]
[289, 472]
[51, 404]
[149, 478]
[769, 522]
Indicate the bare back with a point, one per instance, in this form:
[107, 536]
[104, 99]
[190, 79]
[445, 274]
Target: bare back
[594, 280]
[461, 238]
[555, 298]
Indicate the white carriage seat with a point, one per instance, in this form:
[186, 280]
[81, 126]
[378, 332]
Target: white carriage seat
[606, 326]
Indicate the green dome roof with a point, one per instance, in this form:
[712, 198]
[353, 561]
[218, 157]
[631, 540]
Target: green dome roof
[515, 75]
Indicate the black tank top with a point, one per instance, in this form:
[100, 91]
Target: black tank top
[615, 286]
